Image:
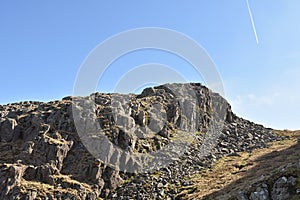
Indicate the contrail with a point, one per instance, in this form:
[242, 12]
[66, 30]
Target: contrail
[252, 21]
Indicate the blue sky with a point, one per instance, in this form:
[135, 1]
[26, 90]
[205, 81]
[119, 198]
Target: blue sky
[44, 43]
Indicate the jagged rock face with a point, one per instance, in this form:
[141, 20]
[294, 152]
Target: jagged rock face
[10, 177]
[42, 156]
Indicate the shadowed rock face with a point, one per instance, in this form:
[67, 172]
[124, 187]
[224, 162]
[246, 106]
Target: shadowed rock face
[43, 156]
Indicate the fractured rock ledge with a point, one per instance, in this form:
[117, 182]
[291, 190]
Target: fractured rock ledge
[44, 156]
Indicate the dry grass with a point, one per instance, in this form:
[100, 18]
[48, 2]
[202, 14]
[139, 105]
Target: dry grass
[234, 173]
[42, 189]
[295, 134]
[72, 182]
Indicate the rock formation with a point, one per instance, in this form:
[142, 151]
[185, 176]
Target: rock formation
[185, 127]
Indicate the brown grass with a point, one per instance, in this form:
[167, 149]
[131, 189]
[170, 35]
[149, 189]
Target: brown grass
[42, 188]
[234, 173]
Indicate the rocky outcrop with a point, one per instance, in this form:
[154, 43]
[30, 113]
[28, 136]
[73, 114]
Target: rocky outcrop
[283, 185]
[186, 127]
[10, 178]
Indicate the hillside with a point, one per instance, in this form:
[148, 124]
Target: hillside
[174, 141]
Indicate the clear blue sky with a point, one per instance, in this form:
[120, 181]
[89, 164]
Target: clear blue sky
[43, 44]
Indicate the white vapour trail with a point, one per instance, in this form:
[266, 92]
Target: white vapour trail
[252, 21]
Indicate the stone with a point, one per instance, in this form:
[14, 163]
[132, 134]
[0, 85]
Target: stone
[281, 187]
[7, 129]
[10, 178]
[141, 118]
[125, 139]
[41, 173]
[42, 146]
[261, 193]
[241, 196]
[160, 185]
[147, 92]
[112, 178]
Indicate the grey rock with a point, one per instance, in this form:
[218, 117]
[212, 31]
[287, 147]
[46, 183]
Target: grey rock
[7, 129]
[51, 152]
[261, 193]
[281, 187]
[241, 196]
[10, 177]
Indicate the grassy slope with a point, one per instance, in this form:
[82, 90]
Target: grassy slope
[234, 173]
